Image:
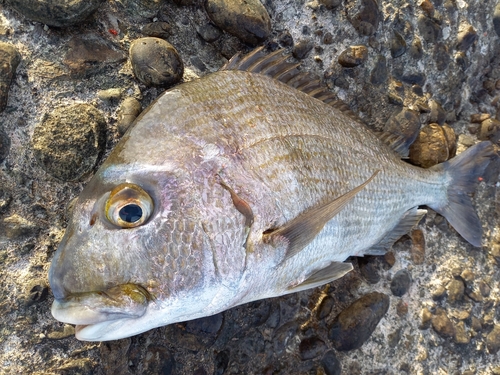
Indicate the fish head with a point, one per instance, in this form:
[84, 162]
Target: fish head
[132, 255]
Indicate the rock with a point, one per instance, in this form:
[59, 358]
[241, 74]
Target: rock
[157, 29]
[379, 73]
[417, 250]
[435, 144]
[489, 130]
[155, 62]
[369, 268]
[311, 347]
[479, 117]
[416, 51]
[327, 38]
[69, 141]
[493, 340]
[438, 115]
[353, 56]
[16, 227]
[400, 283]
[484, 289]
[425, 318]
[364, 15]
[110, 95]
[353, 326]
[127, 113]
[247, 20]
[325, 308]
[398, 45]
[9, 60]
[461, 334]
[4, 145]
[467, 36]
[401, 308]
[429, 29]
[442, 324]
[209, 32]
[456, 290]
[59, 13]
[89, 54]
[330, 4]
[496, 19]
[302, 48]
[331, 365]
[427, 7]
[67, 331]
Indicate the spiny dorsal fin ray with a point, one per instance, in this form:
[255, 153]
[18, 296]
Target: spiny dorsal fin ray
[299, 232]
[333, 271]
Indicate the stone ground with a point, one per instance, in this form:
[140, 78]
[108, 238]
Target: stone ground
[438, 58]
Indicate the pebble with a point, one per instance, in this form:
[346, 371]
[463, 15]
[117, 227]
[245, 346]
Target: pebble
[496, 19]
[247, 20]
[434, 144]
[466, 37]
[398, 45]
[493, 340]
[369, 269]
[353, 326]
[302, 48]
[425, 318]
[325, 308]
[379, 73]
[364, 15]
[89, 54]
[127, 113]
[455, 290]
[330, 4]
[489, 130]
[331, 365]
[4, 145]
[56, 12]
[110, 95]
[427, 7]
[16, 227]
[67, 331]
[438, 114]
[353, 56]
[479, 117]
[429, 29]
[400, 283]
[461, 334]
[417, 249]
[69, 141]
[311, 347]
[442, 324]
[157, 29]
[209, 32]
[9, 61]
[155, 62]
[416, 50]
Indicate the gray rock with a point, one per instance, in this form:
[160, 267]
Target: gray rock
[159, 360]
[221, 362]
[69, 141]
[330, 4]
[438, 114]
[353, 56]
[9, 60]
[110, 96]
[353, 326]
[364, 15]
[209, 32]
[37, 291]
[127, 113]
[331, 364]
[59, 13]
[311, 347]
[302, 48]
[429, 29]
[398, 45]
[466, 37]
[248, 20]
[156, 62]
[379, 73]
[400, 283]
[157, 29]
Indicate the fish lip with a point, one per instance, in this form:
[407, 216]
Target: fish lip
[88, 308]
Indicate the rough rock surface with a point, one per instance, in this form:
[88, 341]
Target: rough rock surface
[448, 72]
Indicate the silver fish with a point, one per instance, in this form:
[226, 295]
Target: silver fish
[246, 184]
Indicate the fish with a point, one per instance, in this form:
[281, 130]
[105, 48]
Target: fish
[249, 183]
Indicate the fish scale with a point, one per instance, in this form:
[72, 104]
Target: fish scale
[248, 188]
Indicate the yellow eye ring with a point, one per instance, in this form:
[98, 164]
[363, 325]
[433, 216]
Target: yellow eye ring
[128, 206]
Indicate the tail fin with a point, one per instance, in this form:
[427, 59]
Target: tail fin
[465, 171]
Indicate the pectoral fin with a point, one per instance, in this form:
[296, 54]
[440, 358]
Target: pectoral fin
[299, 232]
[326, 275]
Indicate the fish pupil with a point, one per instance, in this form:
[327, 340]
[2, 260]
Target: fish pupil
[130, 213]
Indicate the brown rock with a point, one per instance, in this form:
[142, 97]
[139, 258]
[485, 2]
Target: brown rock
[456, 290]
[425, 318]
[442, 324]
[461, 334]
[435, 144]
[479, 117]
[353, 56]
[417, 250]
[489, 130]
[493, 340]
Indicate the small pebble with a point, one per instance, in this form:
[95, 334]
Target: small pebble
[400, 283]
[325, 308]
[493, 340]
[221, 362]
[438, 115]
[68, 330]
[364, 18]
[398, 45]
[442, 324]
[461, 334]
[353, 326]
[158, 360]
[405, 123]
[286, 39]
[9, 61]
[467, 36]
[438, 292]
[56, 12]
[302, 48]
[402, 308]
[455, 290]
[110, 95]
[425, 318]
[379, 73]
[429, 29]
[127, 113]
[209, 32]
[489, 130]
[331, 365]
[496, 19]
[416, 51]
[427, 7]
[479, 117]
[311, 347]
[369, 268]
[484, 289]
[37, 291]
[157, 29]
[69, 141]
[155, 62]
[353, 56]
[327, 38]
[247, 20]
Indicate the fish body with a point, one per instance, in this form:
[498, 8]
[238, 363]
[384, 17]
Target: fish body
[245, 188]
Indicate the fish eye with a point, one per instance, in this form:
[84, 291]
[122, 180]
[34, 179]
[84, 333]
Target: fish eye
[128, 206]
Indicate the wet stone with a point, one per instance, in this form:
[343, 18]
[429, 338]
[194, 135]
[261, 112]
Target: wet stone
[89, 54]
[59, 13]
[434, 144]
[405, 123]
[209, 32]
[467, 36]
[489, 130]
[478, 118]
[331, 365]
[429, 29]
[353, 56]
[286, 39]
[400, 283]
[398, 45]
[493, 340]
[364, 15]
[4, 145]
[127, 113]
[155, 62]
[353, 326]
[442, 324]
[427, 7]
[484, 288]
[311, 347]
[302, 48]
[9, 61]
[157, 29]
[248, 20]
[69, 141]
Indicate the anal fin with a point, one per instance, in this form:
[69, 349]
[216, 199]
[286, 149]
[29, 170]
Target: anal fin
[407, 222]
[325, 275]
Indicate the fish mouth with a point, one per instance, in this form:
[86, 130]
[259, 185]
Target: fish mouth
[95, 308]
